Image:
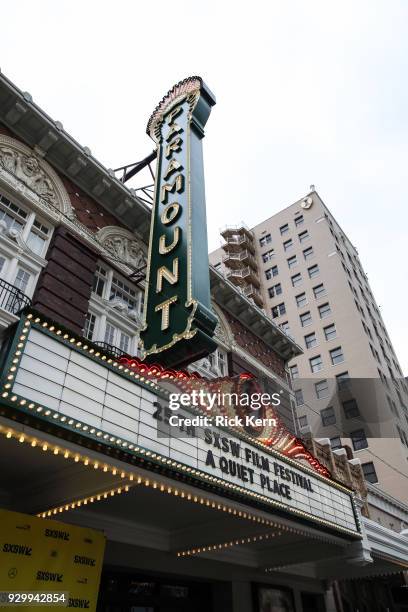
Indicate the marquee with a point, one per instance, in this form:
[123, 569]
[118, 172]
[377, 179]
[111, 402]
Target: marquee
[88, 392]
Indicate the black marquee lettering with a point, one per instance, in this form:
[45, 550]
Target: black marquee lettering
[210, 459]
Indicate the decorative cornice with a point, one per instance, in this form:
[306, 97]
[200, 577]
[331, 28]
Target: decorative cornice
[122, 246]
[384, 541]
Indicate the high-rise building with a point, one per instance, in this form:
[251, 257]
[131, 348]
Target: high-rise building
[303, 270]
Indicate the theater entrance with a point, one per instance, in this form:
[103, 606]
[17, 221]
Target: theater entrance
[134, 592]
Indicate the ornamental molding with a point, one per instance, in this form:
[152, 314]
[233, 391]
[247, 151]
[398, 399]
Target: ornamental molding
[222, 333]
[30, 176]
[122, 246]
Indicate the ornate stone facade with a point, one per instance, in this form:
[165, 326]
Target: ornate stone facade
[123, 246]
[31, 176]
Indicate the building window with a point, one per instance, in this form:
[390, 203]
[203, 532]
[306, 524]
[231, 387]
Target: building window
[99, 280]
[118, 325]
[322, 389]
[14, 216]
[324, 310]
[301, 300]
[358, 439]
[271, 272]
[109, 333]
[117, 338]
[304, 236]
[369, 472]
[299, 397]
[350, 408]
[299, 220]
[38, 237]
[284, 229]
[310, 340]
[89, 326]
[313, 271]
[275, 290]
[22, 279]
[330, 332]
[218, 362]
[308, 253]
[268, 255]
[336, 355]
[292, 261]
[335, 442]
[279, 310]
[294, 371]
[265, 240]
[288, 244]
[121, 291]
[316, 363]
[328, 416]
[343, 381]
[302, 421]
[319, 291]
[305, 319]
[296, 280]
[34, 233]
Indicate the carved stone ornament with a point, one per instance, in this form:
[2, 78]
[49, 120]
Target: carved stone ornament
[222, 331]
[30, 175]
[123, 246]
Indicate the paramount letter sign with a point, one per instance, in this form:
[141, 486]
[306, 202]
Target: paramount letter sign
[178, 321]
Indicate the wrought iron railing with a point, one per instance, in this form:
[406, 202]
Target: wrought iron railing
[110, 348]
[12, 299]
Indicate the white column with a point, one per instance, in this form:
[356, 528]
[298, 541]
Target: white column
[330, 601]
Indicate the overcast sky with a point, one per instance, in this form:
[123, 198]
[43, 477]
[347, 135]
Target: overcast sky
[307, 92]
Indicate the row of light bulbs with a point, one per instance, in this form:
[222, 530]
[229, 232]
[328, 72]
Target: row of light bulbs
[84, 501]
[132, 479]
[217, 547]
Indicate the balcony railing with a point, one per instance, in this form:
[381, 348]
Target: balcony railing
[252, 292]
[236, 259]
[12, 299]
[243, 276]
[235, 242]
[229, 230]
[113, 350]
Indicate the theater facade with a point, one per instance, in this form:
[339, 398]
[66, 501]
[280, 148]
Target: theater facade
[105, 499]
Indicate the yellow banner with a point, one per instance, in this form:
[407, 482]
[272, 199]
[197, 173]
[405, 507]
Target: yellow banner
[43, 555]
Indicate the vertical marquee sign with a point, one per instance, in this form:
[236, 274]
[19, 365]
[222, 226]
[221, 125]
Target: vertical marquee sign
[178, 321]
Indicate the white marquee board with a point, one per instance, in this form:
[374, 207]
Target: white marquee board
[64, 380]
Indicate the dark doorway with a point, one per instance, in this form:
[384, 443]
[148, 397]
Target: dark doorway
[125, 591]
[313, 602]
